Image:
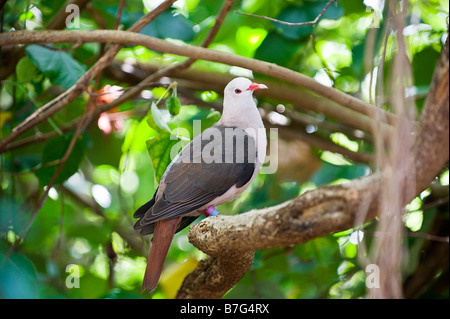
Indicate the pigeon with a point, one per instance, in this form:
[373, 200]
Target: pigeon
[214, 168]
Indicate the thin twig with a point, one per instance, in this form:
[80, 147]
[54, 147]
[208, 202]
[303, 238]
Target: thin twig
[36, 168]
[119, 14]
[291, 24]
[140, 85]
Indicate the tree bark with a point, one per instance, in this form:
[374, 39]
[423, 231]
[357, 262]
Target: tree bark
[431, 149]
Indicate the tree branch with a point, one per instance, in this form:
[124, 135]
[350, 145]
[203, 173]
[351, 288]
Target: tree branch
[131, 38]
[327, 209]
[300, 98]
[431, 150]
[314, 214]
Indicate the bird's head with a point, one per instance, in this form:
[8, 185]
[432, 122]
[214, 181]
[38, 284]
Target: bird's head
[240, 90]
[239, 105]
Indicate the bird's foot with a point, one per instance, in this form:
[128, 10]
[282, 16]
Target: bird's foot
[211, 211]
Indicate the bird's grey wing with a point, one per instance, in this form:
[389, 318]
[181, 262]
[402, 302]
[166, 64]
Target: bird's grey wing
[193, 181]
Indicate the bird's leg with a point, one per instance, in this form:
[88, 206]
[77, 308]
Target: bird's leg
[211, 211]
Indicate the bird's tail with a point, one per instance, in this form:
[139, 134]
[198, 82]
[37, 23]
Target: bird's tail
[162, 237]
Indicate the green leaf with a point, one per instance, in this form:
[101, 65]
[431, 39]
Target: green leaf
[121, 294]
[155, 119]
[18, 278]
[352, 6]
[214, 115]
[60, 67]
[54, 150]
[294, 14]
[265, 288]
[160, 148]
[330, 172]
[277, 49]
[173, 105]
[91, 287]
[423, 73]
[9, 219]
[95, 234]
[137, 134]
[305, 13]
[26, 70]
[167, 25]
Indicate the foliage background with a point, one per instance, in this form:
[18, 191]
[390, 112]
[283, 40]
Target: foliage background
[87, 219]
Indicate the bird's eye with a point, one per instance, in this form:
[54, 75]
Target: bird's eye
[237, 91]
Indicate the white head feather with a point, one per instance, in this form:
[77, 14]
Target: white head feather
[239, 107]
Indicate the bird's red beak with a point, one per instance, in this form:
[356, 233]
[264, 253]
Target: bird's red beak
[256, 86]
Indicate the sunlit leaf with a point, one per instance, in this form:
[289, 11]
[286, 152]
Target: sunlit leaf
[5, 116]
[26, 71]
[173, 276]
[155, 119]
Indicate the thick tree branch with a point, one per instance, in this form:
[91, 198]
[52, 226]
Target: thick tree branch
[127, 38]
[431, 150]
[313, 214]
[300, 98]
[226, 239]
[327, 209]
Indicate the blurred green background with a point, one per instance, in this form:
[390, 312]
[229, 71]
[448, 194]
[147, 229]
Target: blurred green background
[86, 221]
